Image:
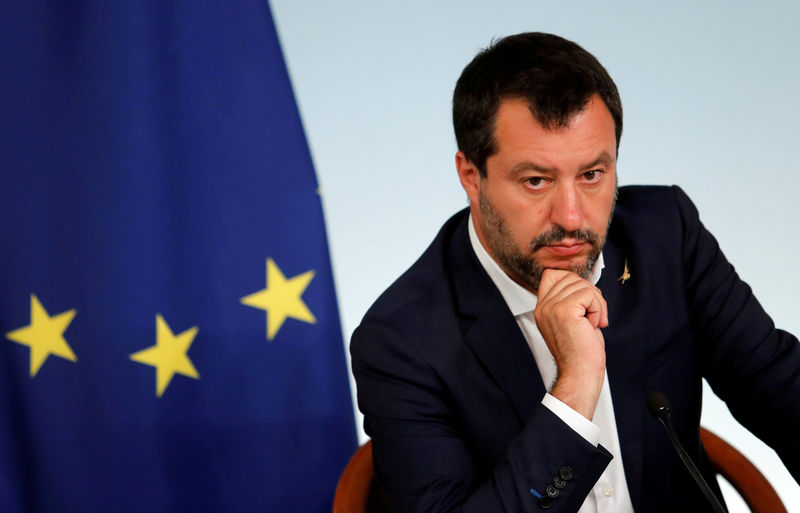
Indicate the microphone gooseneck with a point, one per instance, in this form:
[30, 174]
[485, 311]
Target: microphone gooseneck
[658, 404]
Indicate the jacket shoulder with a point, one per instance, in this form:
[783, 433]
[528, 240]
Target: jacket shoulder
[425, 286]
[656, 214]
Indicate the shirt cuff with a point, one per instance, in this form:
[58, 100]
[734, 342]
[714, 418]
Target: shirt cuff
[580, 424]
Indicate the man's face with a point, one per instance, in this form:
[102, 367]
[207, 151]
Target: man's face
[548, 195]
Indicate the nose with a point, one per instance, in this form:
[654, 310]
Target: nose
[565, 208]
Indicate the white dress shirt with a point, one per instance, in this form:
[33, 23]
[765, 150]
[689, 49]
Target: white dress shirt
[610, 493]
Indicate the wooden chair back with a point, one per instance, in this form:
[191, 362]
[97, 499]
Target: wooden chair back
[358, 493]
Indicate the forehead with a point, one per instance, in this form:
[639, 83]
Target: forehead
[518, 135]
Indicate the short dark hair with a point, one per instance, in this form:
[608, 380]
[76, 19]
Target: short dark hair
[555, 76]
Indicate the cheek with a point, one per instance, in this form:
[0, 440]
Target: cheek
[531, 225]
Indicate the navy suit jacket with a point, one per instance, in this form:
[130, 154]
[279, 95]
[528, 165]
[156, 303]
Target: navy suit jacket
[451, 393]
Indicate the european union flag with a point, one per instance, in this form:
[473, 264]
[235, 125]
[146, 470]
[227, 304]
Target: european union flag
[169, 332]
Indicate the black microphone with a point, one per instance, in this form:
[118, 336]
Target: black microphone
[658, 405]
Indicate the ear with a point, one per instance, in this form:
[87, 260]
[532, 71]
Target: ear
[469, 175]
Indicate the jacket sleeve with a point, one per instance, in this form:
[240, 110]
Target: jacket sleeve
[422, 459]
[751, 365]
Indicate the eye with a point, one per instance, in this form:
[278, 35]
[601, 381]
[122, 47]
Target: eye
[536, 182]
[592, 176]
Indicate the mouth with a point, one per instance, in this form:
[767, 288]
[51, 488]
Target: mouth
[566, 247]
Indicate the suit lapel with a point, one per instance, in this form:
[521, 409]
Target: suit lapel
[491, 331]
[498, 342]
[625, 359]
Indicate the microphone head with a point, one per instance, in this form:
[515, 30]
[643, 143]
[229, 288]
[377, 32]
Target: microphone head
[658, 405]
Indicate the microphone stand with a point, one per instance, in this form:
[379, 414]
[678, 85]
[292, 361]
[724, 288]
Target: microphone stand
[658, 405]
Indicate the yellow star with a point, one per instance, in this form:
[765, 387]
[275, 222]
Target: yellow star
[44, 335]
[168, 356]
[281, 298]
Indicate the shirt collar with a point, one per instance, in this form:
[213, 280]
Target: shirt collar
[518, 299]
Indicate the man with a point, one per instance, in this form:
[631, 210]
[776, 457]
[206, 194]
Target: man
[506, 370]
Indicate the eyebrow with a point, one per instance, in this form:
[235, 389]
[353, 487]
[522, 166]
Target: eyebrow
[603, 159]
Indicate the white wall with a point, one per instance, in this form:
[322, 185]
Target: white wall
[710, 93]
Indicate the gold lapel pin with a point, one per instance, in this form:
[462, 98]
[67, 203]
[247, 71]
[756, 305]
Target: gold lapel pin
[626, 275]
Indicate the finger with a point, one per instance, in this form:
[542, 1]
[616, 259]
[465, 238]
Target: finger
[549, 278]
[594, 318]
[560, 284]
[600, 317]
[598, 309]
[604, 318]
[604, 309]
[570, 283]
[590, 304]
[567, 286]
[554, 280]
[584, 301]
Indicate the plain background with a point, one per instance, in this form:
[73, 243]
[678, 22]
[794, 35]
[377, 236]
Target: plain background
[710, 96]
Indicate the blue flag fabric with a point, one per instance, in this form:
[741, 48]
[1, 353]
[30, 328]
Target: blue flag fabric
[170, 335]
